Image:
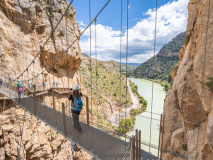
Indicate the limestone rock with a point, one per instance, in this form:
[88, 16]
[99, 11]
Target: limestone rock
[183, 100]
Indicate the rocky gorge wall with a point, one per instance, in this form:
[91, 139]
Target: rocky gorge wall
[183, 100]
[24, 27]
[39, 141]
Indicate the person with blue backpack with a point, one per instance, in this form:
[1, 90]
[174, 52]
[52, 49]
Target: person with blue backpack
[76, 106]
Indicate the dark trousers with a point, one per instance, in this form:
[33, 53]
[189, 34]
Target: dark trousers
[75, 116]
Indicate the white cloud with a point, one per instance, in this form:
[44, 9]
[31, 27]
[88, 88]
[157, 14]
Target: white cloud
[172, 19]
[81, 24]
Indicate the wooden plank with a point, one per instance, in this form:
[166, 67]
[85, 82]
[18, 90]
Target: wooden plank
[64, 120]
[87, 110]
[162, 138]
[159, 135]
[139, 144]
[34, 99]
[53, 99]
[136, 134]
[133, 148]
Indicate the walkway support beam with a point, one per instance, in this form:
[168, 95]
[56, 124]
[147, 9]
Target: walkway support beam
[34, 99]
[64, 120]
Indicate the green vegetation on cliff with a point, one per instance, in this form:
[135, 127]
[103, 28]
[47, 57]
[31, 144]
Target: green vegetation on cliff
[108, 80]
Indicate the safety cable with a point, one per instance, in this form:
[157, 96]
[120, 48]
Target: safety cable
[91, 66]
[96, 66]
[120, 59]
[78, 36]
[204, 65]
[127, 45]
[156, 14]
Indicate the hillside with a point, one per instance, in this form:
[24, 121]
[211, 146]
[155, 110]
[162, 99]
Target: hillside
[108, 79]
[165, 60]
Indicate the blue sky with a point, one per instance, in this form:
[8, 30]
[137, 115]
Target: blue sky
[172, 20]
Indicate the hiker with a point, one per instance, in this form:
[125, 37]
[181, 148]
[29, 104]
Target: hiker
[10, 79]
[29, 85]
[76, 106]
[19, 89]
[1, 82]
[44, 85]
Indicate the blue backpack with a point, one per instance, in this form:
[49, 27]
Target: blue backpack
[78, 104]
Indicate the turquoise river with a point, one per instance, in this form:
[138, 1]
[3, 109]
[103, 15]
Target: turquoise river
[143, 120]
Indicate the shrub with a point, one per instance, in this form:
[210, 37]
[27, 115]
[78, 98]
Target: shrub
[210, 80]
[176, 69]
[187, 39]
[62, 33]
[176, 93]
[184, 147]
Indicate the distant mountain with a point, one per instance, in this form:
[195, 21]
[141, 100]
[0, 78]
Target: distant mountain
[130, 67]
[84, 54]
[130, 64]
[165, 60]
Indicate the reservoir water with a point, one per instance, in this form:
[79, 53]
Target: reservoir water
[143, 120]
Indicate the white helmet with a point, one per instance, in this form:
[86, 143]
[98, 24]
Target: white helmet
[75, 87]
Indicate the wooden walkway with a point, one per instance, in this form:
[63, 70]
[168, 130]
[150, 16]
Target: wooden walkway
[93, 140]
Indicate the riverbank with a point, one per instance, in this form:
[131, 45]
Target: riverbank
[139, 104]
[166, 85]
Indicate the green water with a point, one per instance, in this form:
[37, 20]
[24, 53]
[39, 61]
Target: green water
[143, 120]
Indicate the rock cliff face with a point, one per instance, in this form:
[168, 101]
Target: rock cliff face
[24, 27]
[39, 141]
[183, 100]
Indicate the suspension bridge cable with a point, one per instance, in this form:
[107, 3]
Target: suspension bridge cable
[91, 66]
[68, 84]
[22, 134]
[127, 45]
[77, 37]
[156, 15]
[96, 61]
[204, 65]
[120, 59]
[96, 66]
[49, 36]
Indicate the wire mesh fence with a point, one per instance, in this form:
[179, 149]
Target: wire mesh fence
[103, 141]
